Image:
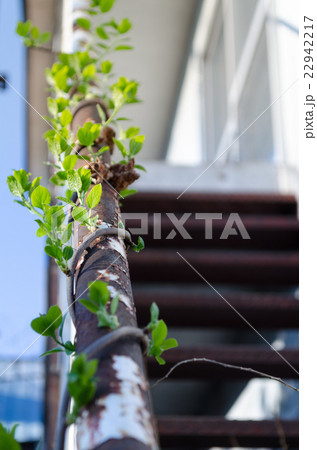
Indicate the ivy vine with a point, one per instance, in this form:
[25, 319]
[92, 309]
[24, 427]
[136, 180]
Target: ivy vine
[83, 75]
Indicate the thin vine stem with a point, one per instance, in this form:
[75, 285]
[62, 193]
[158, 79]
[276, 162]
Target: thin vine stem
[228, 366]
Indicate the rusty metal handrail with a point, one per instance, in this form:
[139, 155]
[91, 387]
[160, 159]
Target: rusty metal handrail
[110, 231]
[91, 351]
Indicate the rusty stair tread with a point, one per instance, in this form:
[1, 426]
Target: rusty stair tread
[257, 357]
[204, 308]
[211, 202]
[232, 267]
[203, 431]
[267, 232]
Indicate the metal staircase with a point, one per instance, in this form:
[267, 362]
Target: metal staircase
[255, 277]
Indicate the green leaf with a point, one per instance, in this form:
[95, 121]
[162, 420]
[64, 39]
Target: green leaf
[89, 71]
[90, 305]
[106, 66]
[59, 179]
[102, 150]
[52, 109]
[123, 47]
[54, 146]
[35, 32]
[46, 324]
[40, 197]
[85, 176]
[60, 329]
[80, 214]
[154, 312]
[93, 198]
[69, 348]
[84, 135]
[7, 441]
[127, 192]
[70, 162]
[101, 33]
[14, 186]
[74, 180]
[83, 23]
[62, 103]
[159, 333]
[160, 360]
[131, 132]
[136, 144]
[40, 232]
[44, 37]
[114, 304]
[95, 130]
[106, 5]
[169, 343]
[66, 235]
[54, 217]
[124, 26]
[66, 117]
[54, 316]
[139, 246]
[50, 352]
[35, 183]
[99, 292]
[101, 113]
[23, 28]
[53, 252]
[67, 252]
[121, 147]
[138, 166]
[23, 178]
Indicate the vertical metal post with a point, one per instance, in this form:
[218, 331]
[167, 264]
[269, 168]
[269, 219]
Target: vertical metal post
[120, 417]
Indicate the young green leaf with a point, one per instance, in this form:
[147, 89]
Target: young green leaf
[14, 186]
[7, 441]
[127, 192]
[66, 117]
[90, 305]
[85, 176]
[114, 304]
[89, 71]
[74, 180]
[139, 246]
[121, 147]
[99, 292]
[80, 214]
[101, 33]
[106, 5]
[83, 23]
[53, 252]
[66, 234]
[138, 166]
[106, 66]
[154, 310]
[59, 179]
[70, 162]
[131, 132]
[54, 350]
[40, 197]
[159, 333]
[136, 144]
[67, 252]
[46, 324]
[23, 179]
[169, 343]
[124, 26]
[93, 198]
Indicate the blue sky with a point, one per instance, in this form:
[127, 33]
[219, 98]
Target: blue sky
[22, 263]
